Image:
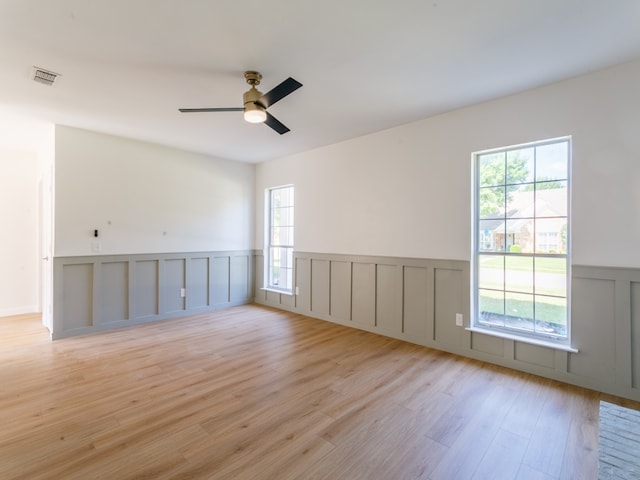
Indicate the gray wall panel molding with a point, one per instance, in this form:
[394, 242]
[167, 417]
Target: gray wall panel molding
[114, 287]
[102, 292]
[363, 293]
[418, 304]
[605, 273]
[320, 286]
[221, 280]
[341, 286]
[198, 269]
[635, 334]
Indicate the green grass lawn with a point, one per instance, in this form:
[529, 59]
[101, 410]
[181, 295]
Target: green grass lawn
[551, 310]
[517, 262]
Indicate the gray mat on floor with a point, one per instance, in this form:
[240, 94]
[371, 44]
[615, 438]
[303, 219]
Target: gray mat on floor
[619, 437]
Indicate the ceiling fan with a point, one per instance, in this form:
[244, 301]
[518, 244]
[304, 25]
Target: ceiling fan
[256, 103]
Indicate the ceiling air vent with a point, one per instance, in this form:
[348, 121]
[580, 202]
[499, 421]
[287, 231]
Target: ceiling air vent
[43, 76]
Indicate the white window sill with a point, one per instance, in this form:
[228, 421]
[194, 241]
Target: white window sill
[521, 339]
[275, 290]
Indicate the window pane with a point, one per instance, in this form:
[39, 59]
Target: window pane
[491, 307]
[288, 236]
[492, 202]
[551, 235]
[519, 274]
[286, 216]
[520, 201]
[552, 161]
[520, 166]
[551, 199]
[274, 266]
[282, 236]
[518, 235]
[276, 198]
[551, 315]
[519, 311]
[491, 235]
[492, 169]
[491, 272]
[551, 276]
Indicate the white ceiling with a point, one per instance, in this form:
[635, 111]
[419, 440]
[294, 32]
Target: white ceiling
[366, 65]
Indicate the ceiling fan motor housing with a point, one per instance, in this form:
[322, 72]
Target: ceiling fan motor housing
[254, 111]
[251, 97]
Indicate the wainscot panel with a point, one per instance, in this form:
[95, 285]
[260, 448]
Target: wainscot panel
[635, 333]
[417, 317]
[174, 283]
[221, 280]
[449, 287]
[340, 291]
[534, 354]
[363, 294]
[594, 299]
[239, 278]
[115, 291]
[102, 292]
[303, 269]
[146, 287]
[78, 300]
[320, 279]
[198, 283]
[388, 298]
[416, 300]
[487, 344]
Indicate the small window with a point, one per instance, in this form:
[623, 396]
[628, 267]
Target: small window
[279, 239]
[521, 245]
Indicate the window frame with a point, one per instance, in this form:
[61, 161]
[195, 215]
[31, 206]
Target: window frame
[504, 331]
[269, 245]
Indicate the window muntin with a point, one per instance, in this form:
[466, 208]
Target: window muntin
[521, 262]
[279, 239]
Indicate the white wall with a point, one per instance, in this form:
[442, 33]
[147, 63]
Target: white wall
[19, 263]
[407, 191]
[145, 198]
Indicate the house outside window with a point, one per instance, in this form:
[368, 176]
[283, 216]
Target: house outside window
[279, 239]
[521, 242]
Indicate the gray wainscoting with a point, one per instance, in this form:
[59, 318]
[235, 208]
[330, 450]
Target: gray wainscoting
[417, 299]
[96, 293]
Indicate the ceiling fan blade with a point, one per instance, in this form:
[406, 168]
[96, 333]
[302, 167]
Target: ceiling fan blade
[274, 123]
[229, 109]
[279, 92]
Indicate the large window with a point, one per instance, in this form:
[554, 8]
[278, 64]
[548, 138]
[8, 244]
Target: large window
[521, 259]
[279, 239]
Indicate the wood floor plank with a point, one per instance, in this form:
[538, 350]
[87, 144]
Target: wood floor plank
[256, 393]
[548, 441]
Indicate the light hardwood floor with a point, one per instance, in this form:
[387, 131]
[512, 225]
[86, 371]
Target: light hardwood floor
[256, 393]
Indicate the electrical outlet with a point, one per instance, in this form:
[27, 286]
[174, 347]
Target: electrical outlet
[459, 319]
[183, 292]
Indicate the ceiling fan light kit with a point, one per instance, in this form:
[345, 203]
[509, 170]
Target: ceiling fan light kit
[256, 103]
[254, 114]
